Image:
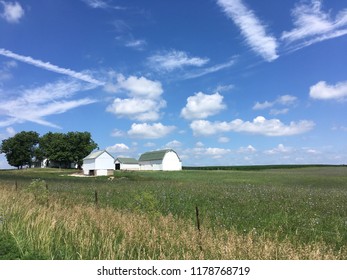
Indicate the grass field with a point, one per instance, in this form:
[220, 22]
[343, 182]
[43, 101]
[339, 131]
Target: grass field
[279, 213]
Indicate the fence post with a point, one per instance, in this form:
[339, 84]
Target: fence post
[16, 185]
[96, 197]
[198, 225]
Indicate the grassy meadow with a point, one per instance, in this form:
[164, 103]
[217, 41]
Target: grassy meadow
[279, 213]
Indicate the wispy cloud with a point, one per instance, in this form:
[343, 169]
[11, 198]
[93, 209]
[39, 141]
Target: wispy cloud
[172, 60]
[101, 4]
[35, 104]
[251, 28]
[51, 67]
[138, 44]
[5, 70]
[313, 25]
[283, 100]
[12, 11]
[209, 70]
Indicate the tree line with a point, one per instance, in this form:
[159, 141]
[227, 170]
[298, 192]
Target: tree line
[28, 148]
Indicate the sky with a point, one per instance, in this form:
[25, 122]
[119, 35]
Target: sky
[222, 82]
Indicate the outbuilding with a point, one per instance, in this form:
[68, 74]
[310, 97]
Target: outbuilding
[99, 163]
[122, 163]
[166, 160]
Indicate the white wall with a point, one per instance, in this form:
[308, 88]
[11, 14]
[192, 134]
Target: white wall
[101, 164]
[171, 162]
[124, 166]
[88, 164]
[104, 161]
[151, 165]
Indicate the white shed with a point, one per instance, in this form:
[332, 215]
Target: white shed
[166, 160]
[99, 163]
[122, 163]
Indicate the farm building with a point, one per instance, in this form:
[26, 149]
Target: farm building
[122, 163]
[99, 163]
[166, 160]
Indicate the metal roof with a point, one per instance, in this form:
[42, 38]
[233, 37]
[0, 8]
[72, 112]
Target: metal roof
[94, 155]
[127, 160]
[155, 155]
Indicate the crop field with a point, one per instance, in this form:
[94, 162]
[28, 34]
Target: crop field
[278, 213]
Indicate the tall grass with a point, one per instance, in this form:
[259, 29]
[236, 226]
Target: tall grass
[83, 231]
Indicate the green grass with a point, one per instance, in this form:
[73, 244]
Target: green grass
[302, 205]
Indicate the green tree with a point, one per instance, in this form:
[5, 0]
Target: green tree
[54, 147]
[65, 149]
[20, 150]
[80, 145]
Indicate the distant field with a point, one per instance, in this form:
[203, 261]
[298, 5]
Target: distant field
[264, 213]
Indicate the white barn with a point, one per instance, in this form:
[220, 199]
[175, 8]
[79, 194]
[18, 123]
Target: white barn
[99, 163]
[122, 163]
[166, 160]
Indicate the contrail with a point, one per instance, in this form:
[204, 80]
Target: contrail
[50, 67]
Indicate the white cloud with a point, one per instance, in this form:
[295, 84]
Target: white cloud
[9, 132]
[172, 60]
[145, 100]
[322, 90]
[286, 99]
[137, 109]
[247, 150]
[280, 149]
[149, 144]
[35, 104]
[150, 131]
[202, 105]
[275, 112]
[12, 12]
[50, 67]
[223, 139]
[313, 25]
[117, 133]
[221, 88]
[215, 153]
[259, 125]
[136, 86]
[262, 106]
[118, 148]
[199, 144]
[283, 100]
[173, 144]
[251, 28]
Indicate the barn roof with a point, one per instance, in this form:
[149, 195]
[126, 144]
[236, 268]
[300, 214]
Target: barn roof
[127, 160]
[155, 155]
[94, 155]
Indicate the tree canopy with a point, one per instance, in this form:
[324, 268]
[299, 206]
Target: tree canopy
[20, 149]
[63, 149]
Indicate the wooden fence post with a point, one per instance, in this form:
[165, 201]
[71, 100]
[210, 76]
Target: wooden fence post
[198, 225]
[96, 197]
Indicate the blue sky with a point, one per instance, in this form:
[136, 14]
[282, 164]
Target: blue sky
[223, 82]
